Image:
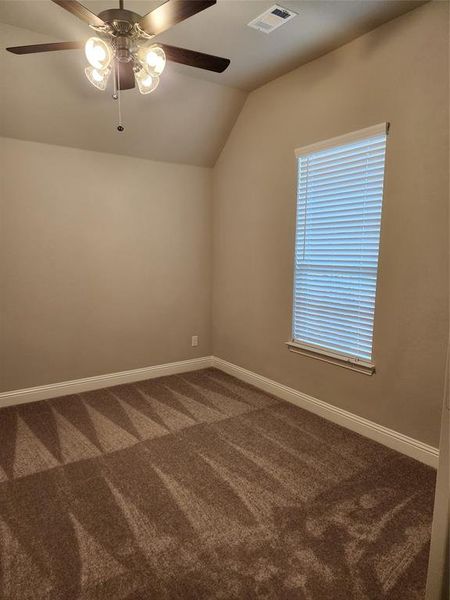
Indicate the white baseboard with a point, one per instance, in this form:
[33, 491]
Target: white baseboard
[76, 386]
[388, 437]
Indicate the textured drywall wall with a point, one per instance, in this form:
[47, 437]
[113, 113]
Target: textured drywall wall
[104, 263]
[396, 73]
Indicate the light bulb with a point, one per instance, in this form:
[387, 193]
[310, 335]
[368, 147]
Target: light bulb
[98, 53]
[152, 58]
[98, 77]
[146, 83]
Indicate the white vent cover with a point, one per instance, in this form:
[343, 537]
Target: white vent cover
[272, 18]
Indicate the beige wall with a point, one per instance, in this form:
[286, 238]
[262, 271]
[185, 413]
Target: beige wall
[397, 73]
[105, 263]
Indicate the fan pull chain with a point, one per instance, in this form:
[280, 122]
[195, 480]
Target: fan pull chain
[116, 96]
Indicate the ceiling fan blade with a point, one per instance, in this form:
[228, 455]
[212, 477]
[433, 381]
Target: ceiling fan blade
[195, 59]
[170, 13]
[80, 11]
[126, 75]
[46, 47]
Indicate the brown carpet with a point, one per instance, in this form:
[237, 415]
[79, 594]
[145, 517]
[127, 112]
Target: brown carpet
[198, 486]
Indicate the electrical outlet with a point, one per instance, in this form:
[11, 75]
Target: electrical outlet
[194, 341]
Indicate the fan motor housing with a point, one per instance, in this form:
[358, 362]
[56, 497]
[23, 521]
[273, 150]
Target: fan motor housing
[120, 20]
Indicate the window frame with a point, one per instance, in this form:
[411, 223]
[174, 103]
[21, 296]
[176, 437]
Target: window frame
[359, 365]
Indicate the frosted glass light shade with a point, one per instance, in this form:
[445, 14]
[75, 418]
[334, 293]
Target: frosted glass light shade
[146, 83]
[98, 77]
[98, 53]
[152, 58]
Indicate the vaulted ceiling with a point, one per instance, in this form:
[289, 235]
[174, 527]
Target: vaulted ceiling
[46, 98]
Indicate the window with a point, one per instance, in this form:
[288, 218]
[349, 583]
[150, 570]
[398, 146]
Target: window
[339, 200]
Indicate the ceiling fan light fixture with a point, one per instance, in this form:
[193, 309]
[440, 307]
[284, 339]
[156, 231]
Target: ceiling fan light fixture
[147, 83]
[123, 43]
[153, 58]
[98, 53]
[98, 77]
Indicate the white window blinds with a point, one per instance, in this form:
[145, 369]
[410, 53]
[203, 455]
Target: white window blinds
[339, 199]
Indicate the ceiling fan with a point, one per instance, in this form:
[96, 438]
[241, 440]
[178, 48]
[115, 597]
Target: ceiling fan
[124, 44]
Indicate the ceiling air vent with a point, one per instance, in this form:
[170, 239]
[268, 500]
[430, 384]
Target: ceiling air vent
[272, 18]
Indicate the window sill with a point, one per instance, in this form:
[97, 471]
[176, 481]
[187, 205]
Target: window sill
[366, 368]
